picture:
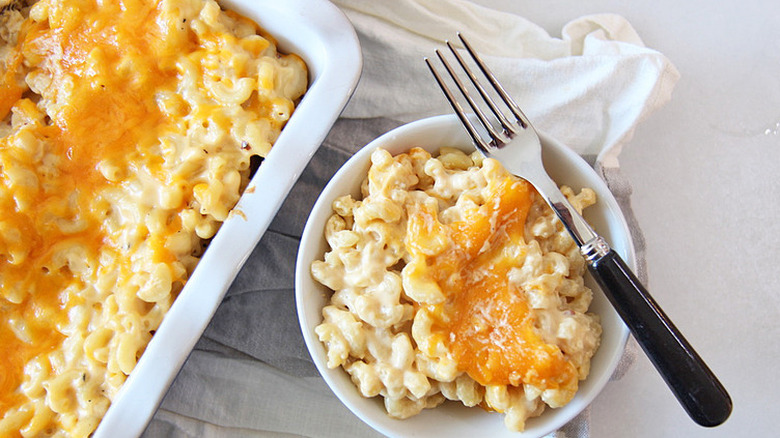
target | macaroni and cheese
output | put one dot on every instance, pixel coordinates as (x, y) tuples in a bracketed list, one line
[(126, 135), (453, 280)]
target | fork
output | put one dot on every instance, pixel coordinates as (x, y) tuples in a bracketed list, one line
[(510, 138)]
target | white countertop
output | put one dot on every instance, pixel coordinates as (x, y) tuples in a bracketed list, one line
[(706, 176)]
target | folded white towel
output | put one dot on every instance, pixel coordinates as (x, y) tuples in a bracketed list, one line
[(588, 89)]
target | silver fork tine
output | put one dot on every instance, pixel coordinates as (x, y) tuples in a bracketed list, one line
[(496, 84), (472, 130), (494, 135), (505, 124)]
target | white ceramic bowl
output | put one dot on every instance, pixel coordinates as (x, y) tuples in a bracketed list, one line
[(452, 419), (322, 35)]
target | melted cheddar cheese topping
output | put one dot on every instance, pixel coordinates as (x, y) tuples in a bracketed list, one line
[(126, 130), (109, 116), (485, 320)]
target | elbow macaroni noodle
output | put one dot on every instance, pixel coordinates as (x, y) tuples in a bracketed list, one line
[(453, 280), (126, 133)]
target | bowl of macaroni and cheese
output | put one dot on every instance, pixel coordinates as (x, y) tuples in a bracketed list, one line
[(439, 295), (145, 146)]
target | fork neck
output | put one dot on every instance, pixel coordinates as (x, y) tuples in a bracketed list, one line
[(591, 245)]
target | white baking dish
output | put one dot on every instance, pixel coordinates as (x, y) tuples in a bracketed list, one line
[(319, 33)]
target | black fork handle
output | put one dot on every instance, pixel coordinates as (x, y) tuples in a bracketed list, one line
[(695, 386)]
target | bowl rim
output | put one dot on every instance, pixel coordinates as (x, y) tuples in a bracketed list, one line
[(322, 210)]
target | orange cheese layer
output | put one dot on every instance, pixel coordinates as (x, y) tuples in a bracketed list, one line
[(111, 114), (9, 94), (10, 91), (485, 321)]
